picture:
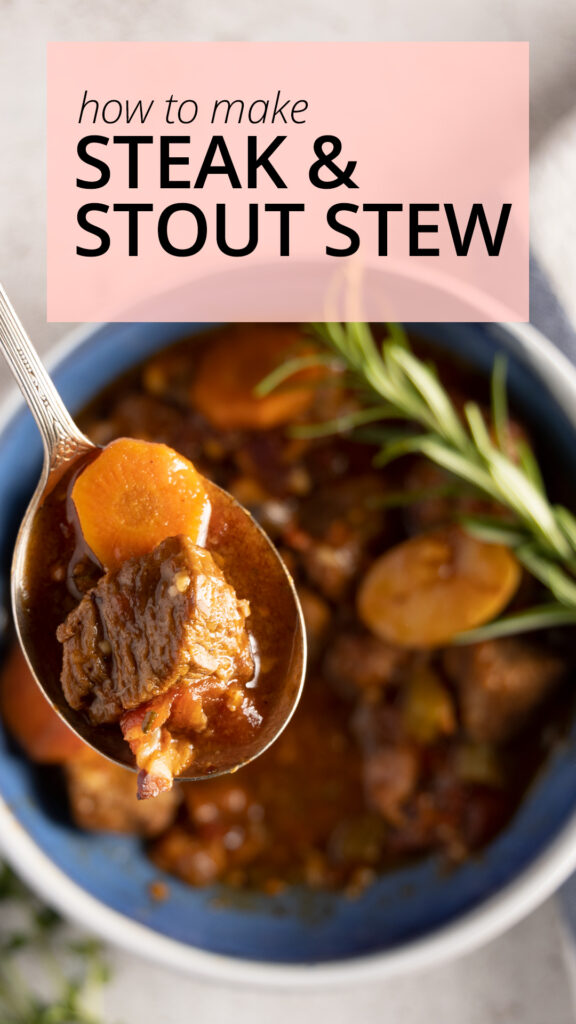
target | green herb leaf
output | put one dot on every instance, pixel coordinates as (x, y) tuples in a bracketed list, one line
[(288, 369), (341, 425), (500, 402), (492, 530), (433, 394), (530, 466), (148, 721), (544, 616), (549, 573)]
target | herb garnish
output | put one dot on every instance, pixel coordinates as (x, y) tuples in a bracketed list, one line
[(409, 411), (72, 972)]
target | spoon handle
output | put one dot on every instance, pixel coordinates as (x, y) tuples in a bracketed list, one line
[(61, 437)]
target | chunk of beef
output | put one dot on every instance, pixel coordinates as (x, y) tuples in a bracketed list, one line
[(378, 723), (164, 619), (137, 416), (274, 515), (440, 498), (391, 776), (345, 507), (103, 798), (150, 418), (329, 567), (198, 861), (337, 526), (500, 683), (451, 817), (358, 661), (226, 808), (221, 832), (435, 496), (275, 464)]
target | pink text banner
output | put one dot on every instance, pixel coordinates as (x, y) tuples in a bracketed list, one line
[(287, 181)]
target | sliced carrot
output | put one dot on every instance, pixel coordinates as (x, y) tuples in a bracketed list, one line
[(31, 719), (134, 495), (424, 591), (233, 365)]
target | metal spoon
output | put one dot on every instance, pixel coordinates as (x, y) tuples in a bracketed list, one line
[(249, 562)]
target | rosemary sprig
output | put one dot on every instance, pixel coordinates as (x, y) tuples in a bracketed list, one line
[(393, 384)]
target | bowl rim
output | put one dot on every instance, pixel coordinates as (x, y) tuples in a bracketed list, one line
[(535, 883)]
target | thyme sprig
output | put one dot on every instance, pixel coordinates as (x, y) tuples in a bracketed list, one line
[(409, 411)]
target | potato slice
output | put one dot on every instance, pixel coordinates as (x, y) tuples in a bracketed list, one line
[(424, 591)]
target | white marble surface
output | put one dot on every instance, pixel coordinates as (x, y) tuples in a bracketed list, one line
[(521, 978)]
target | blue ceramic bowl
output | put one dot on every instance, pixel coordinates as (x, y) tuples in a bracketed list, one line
[(409, 918)]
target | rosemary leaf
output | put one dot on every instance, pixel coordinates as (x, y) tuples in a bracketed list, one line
[(456, 462), (398, 335), (480, 435), (410, 444), (520, 494), (492, 530), (401, 499), (567, 523), (288, 369), (500, 402), (341, 425), (380, 435), (544, 616), (530, 466), (551, 575), (432, 392)]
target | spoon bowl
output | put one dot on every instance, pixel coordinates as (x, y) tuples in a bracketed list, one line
[(253, 567)]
